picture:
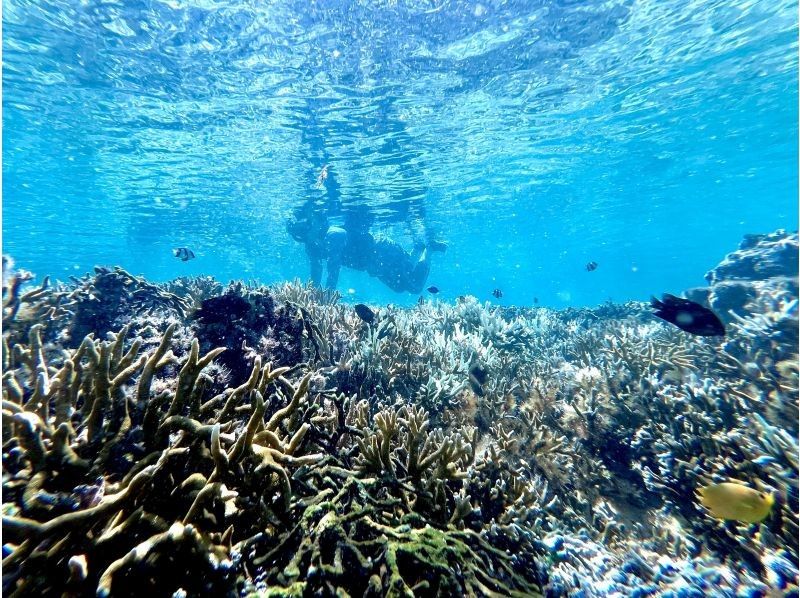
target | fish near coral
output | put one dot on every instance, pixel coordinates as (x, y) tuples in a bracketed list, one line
[(365, 313), (687, 315), (730, 500), (477, 378)]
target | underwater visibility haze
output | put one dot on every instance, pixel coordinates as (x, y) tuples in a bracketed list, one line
[(532, 137), (413, 298)]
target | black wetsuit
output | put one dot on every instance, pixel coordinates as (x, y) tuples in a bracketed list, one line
[(384, 259), (350, 244)]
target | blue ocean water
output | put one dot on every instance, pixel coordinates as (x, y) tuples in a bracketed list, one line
[(532, 137)]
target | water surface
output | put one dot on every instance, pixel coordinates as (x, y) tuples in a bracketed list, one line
[(533, 137)]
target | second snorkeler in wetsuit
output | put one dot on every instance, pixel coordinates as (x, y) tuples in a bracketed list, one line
[(352, 245)]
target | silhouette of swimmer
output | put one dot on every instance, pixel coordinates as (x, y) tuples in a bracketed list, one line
[(352, 245)]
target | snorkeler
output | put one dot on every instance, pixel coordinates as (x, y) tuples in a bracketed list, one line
[(352, 245), (307, 226), (337, 235)]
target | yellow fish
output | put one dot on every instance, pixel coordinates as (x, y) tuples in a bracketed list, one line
[(729, 500)]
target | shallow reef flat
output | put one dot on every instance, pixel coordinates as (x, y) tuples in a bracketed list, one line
[(191, 438)]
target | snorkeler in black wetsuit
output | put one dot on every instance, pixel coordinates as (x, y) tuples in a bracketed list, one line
[(340, 235), (353, 246)]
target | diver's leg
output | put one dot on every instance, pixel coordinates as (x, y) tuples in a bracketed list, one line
[(417, 275), (335, 241), (389, 263), (316, 271), (333, 275), (400, 272)]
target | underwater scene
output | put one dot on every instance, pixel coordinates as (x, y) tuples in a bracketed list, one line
[(400, 298)]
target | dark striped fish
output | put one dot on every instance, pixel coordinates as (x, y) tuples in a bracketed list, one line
[(184, 254)]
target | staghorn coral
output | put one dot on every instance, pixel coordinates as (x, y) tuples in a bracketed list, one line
[(417, 464), (196, 289), (24, 306), (145, 449), (335, 456), (350, 541), (107, 300), (365, 529)]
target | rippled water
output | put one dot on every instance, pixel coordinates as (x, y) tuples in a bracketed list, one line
[(648, 136)]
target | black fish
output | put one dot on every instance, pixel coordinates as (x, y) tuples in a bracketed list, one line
[(591, 266), (365, 313), (536, 300), (687, 315), (497, 293), (479, 372), (183, 253), (433, 290), (477, 378)]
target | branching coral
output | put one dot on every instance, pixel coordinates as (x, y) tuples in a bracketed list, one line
[(271, 441), (137, 443), (400, 449), (107, 300)]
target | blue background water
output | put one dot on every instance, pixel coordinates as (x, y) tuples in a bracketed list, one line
[(533, 137)]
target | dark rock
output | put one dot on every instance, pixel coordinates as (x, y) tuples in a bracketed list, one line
[(732, 295), (247, 324), (763, 269), (759, 257), (226, 308), (231, 321)]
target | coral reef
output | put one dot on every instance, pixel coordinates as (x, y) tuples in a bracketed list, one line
[(763, 270), (192, 438), (247, 323)]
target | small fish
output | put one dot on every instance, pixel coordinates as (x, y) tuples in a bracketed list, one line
[(729, 500), (421, 300), (477, 378), (365, 313), (433, 290), (497, 293), (183, 253), (591, 266), (536, 300), (687, 315)]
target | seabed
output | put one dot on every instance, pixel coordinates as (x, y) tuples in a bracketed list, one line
[(191, 438)]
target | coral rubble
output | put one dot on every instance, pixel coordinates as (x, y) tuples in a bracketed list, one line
[(192, 438)]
